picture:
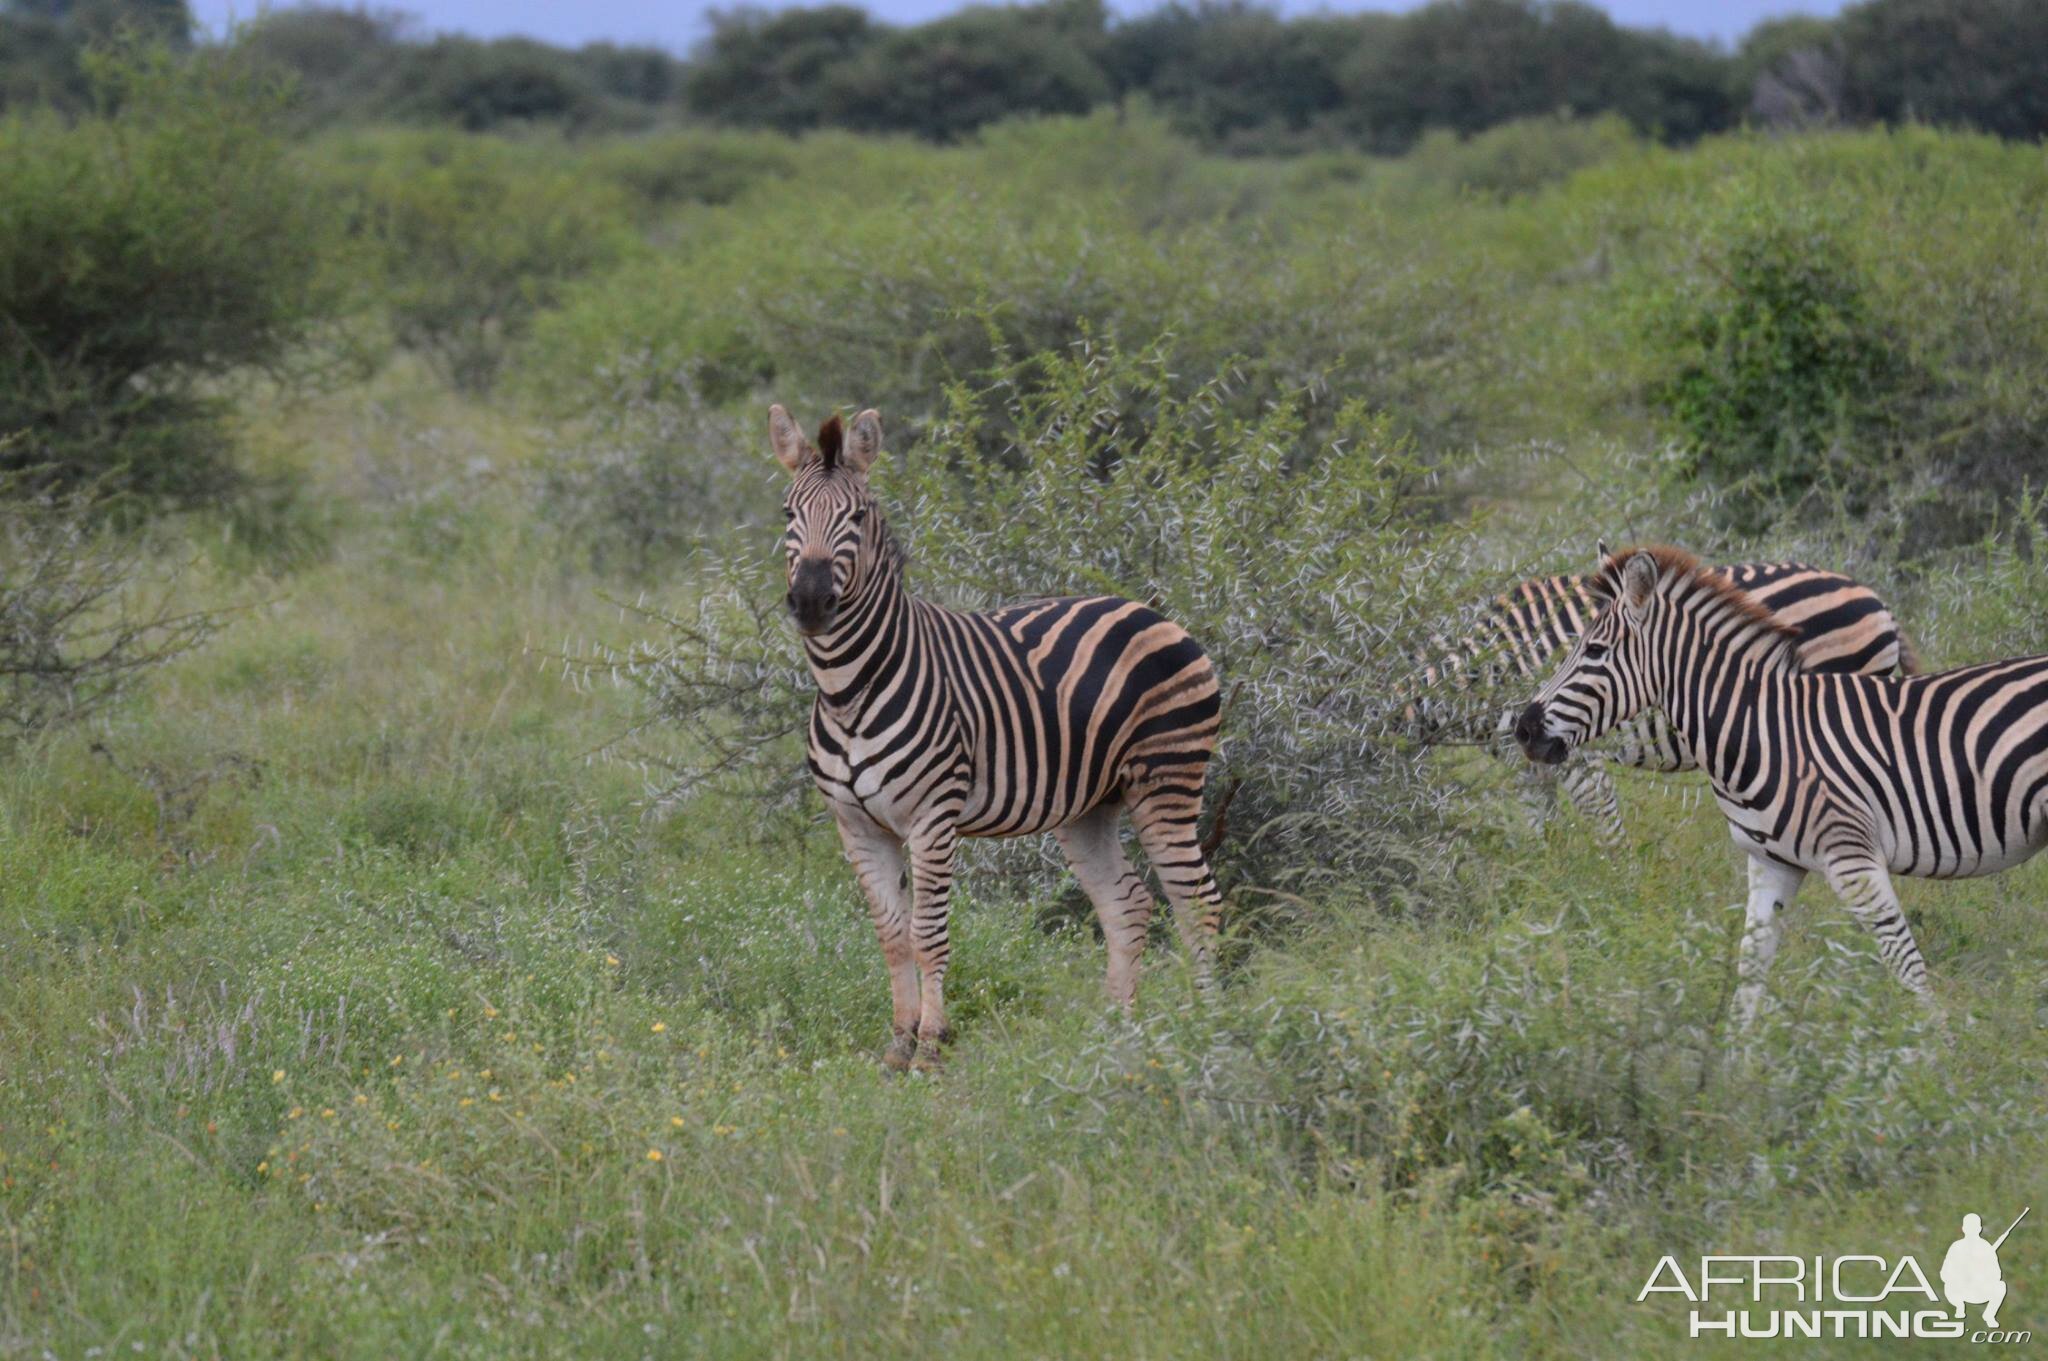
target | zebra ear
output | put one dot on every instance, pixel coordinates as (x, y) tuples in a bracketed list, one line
[(792, 450), (1601, 553), (1638, 583), (863, 441)]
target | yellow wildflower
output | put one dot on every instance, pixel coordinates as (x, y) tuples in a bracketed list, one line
[(277, 1075), (654, 1155), (658, 1027)]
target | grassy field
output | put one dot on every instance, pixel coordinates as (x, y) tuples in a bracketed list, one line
[(351, 1004)]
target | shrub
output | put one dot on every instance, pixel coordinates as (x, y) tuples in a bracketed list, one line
[(83, 613), (1299, 568), (942, 264), (468, 237), (1783, 381), (648, 476), (147, 251), (1514, 158)]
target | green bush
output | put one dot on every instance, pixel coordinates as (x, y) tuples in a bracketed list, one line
[(1857, 315), (940, 264), (1783, 382), (469, 237), (1514, 158), (148, 251)]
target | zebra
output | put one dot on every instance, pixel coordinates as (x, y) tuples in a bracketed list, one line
[(1842, 624), (930, 725), (1857, 778)]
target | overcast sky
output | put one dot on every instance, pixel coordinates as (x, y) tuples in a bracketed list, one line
[(677, 25)]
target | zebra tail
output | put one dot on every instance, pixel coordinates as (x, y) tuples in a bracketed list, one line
[(1222, 823), (1909, 656)]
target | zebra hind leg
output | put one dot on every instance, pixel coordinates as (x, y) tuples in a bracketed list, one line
[(1865, 888), (1123, 902), (1166, 816)]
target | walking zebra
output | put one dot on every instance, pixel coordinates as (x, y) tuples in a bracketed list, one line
[(931, 725), (1842, 625), (1855, 777)]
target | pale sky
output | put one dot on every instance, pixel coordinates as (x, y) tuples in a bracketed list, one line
[(678, 25)]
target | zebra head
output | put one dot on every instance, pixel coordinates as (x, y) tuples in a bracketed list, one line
[(836, 542), (1607, 677)]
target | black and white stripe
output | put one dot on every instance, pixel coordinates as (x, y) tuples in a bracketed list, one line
[(931, 725), (1842, 625), (1854, 777)]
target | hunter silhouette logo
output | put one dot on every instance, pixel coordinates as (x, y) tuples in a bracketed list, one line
[(1970, 1275), (1854, 1295)]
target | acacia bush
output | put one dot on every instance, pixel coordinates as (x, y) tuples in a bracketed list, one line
[(942, 265), (1302, 568), (148, 250), (1783, 382), (1842, 321), (85, 613), (464, 239)]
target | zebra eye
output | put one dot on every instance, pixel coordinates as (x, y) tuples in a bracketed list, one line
[(789, 513), (860, 515), (1596, 652)]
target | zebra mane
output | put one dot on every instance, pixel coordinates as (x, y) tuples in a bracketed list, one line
[(1676, 562), (831, 439)]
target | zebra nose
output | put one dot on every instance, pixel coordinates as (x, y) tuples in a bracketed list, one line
[(812, 601), (1529, 727)]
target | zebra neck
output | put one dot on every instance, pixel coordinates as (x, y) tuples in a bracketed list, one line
[(1714, 676), (871, 643)]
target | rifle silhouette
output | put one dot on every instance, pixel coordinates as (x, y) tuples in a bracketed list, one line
[(2008, 1230)]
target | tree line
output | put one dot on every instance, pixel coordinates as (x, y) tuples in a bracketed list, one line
[(1231, 74)]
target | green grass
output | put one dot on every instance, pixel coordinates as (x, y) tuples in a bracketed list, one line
[(360, 1043)]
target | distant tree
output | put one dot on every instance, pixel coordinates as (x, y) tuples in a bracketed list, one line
[(482, 85), (1789, 72), (1223, 68), (767, 70), (1983, 63), (42, 43), (949, 77), (1467, 65), (340, 59), (639, 75)]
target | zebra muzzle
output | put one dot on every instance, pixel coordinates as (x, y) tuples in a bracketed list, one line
[(1537, 744), (813, 604)]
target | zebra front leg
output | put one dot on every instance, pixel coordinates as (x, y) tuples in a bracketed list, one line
[(1591, 790), (877, 859), (1771, 889), (1538, 790), (931, 881), (1865, 888)]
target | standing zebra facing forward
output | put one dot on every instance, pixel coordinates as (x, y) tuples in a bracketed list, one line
[(931, 725), (1841, 625), (1855, 777)]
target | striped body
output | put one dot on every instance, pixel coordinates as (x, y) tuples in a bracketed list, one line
[(1854, 777), (1012, 721), (932, 724), (1842, 626)]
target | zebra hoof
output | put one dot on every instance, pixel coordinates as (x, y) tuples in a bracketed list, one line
[(901, 1052), (929, 1059)]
